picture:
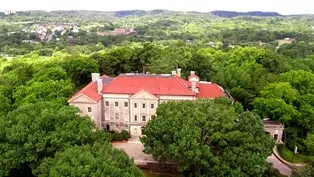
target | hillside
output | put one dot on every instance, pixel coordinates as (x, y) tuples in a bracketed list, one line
[(230, 14)]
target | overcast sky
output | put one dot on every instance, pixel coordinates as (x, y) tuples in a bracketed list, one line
[(281, 6)]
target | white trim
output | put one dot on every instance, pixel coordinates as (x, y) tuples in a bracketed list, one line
[(71, 100), (143, 91)]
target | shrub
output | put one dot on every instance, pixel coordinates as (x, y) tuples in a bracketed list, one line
[(125, 134), (116, 137)]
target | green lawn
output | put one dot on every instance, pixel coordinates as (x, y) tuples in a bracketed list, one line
[(287, 154)]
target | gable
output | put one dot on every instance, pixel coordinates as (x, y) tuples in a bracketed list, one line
[(81, 99), (143, 95)]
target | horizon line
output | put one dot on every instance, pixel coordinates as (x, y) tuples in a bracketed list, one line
[(151, 10)]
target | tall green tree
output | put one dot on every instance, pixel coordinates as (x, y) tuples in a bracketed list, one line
[(99, 159), (208, 138), (34, 132)]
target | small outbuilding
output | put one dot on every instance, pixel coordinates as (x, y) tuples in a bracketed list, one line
[(274, 129)]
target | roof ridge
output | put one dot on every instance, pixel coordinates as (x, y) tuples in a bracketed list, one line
[(103, 87), (82, 90), (86, 87), (179, 79)]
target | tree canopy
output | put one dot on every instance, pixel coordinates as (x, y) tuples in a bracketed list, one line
[(208, 138)]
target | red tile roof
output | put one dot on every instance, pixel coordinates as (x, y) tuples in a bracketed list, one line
[(209, 90), (154, 84), (90, 91)]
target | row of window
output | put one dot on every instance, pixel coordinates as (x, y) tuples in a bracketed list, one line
[(117, 116), (143, 118), (126, 104)]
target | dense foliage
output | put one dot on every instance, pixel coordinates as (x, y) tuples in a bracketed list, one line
[(209, 138), (265, 63), (89, 160)]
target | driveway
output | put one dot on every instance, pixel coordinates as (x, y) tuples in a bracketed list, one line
[(135, 148), (284, 169)]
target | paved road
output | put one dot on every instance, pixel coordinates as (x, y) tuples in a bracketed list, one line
[(284, 169), (135, 149)]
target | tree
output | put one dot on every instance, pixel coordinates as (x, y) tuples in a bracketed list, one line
[(100, 159), (34, 132), (276, 102), (50, 90), (307, 171), (79, 69), (208, 138), (290, 100), (202, 63)]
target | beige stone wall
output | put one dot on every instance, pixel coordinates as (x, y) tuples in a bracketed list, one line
[(143, 101), (275, 131), (95, 111), (121, 117), (117, 116), (136, 130)]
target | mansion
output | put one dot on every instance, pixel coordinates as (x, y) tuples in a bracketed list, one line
[(128, 101)]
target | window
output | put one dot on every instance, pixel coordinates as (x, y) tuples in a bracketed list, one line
[(126, 104), (135, 105), (116, 103), (144, 118), (107, 103), (152, 106), (144, 105), (135, 118), (89, 109), (117, 115)]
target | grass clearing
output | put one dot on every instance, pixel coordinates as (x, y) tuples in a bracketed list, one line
[(287, 154)]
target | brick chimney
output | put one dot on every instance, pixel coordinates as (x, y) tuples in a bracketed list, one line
[(99, 85), (194, 79), (179, 72), (95, 77)]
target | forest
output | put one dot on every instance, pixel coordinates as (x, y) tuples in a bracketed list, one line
[(266, 62)]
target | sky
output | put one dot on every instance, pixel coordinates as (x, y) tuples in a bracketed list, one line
[(285, 7)]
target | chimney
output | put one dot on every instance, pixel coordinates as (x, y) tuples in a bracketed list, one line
[(193, 87), (194, 79), (179, 72), (173, 73), (95, 77), (99, 85)]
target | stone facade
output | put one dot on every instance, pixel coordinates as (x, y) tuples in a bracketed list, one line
[(114, 108), (274, 129)]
